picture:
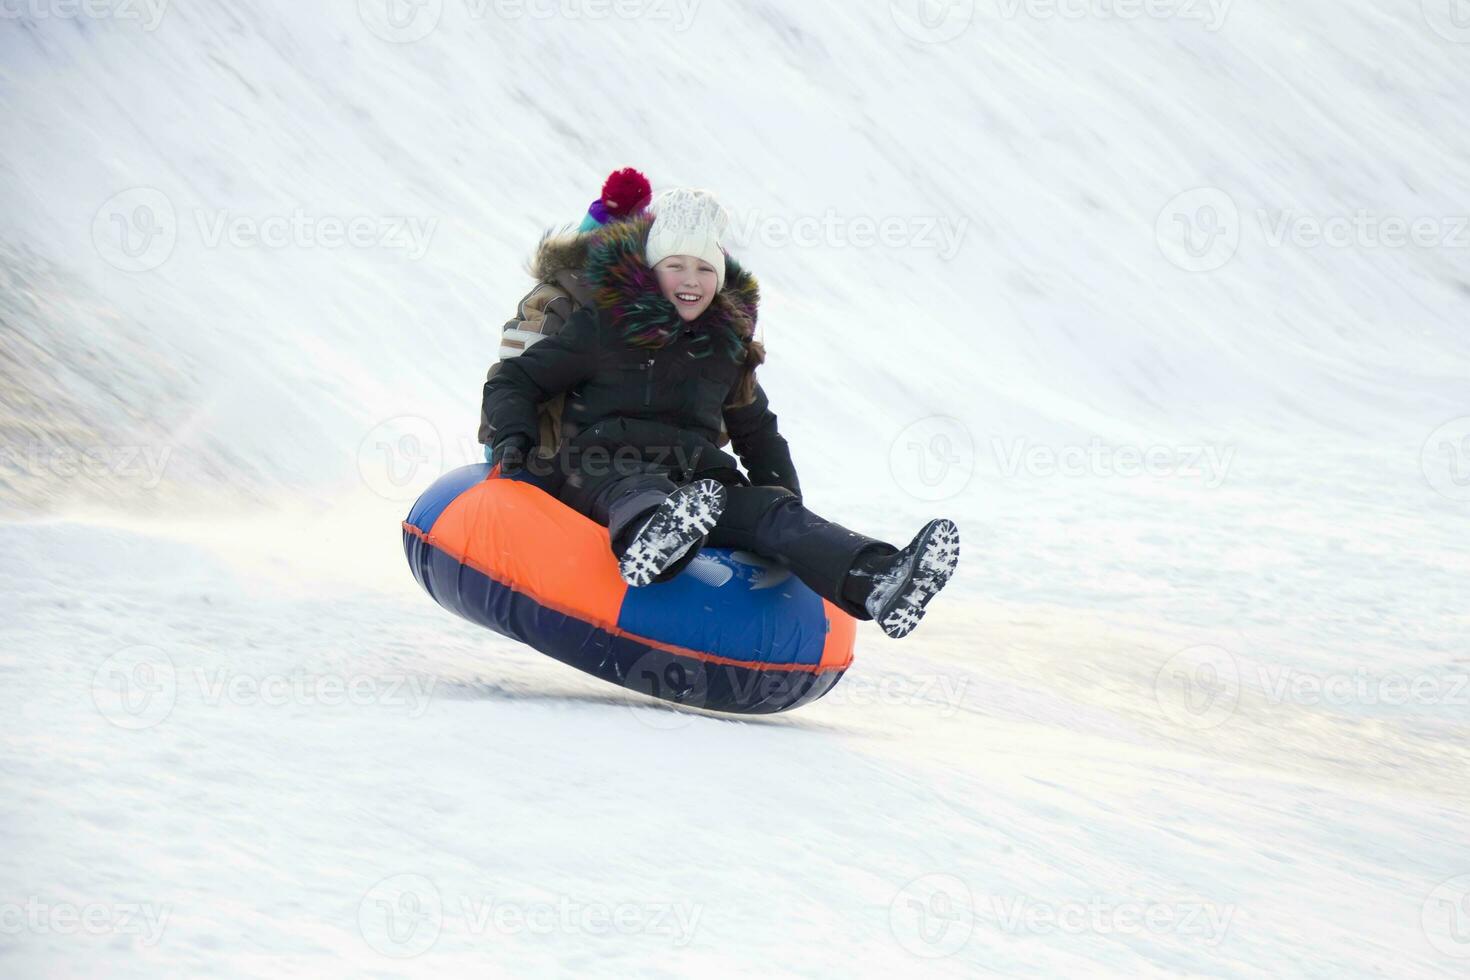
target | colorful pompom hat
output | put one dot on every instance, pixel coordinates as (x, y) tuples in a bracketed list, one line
[(625, 193)]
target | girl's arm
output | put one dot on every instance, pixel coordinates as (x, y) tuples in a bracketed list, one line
[(541, 313), (546, 369), (759, 445)]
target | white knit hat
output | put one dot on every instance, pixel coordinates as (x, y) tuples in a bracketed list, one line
[(687, 221)]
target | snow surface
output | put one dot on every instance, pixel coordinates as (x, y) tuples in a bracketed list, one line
[(1210, 720)]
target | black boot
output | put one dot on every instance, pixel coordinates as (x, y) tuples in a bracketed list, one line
[(858, 584), (895, 588), (620, 548), (676, 530)]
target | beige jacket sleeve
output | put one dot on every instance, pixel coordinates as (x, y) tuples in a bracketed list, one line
[(541, 313)]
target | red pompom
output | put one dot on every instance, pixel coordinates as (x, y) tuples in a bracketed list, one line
[(626, 192)]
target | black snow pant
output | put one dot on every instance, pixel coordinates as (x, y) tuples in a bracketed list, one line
[(769, 521)]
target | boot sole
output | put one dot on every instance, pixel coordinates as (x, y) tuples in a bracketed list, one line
[(676, 526), (938, 554)]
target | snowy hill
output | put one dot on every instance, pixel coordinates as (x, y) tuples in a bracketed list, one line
[(1163, 303)]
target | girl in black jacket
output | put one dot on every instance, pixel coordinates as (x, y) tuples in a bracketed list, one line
[(649, 372)]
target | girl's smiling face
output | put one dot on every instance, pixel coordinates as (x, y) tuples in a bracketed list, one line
[(687, 282)]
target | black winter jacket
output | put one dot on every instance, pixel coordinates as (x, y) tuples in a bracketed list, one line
[(677, 392)]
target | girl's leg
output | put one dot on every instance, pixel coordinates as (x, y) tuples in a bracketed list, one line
[(773, 522), (646, 525), (865, 577), (627, 502), (615, 493)]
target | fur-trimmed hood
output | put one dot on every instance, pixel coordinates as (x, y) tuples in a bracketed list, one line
[(628, 288), (607, 267), (560, 259), (560, 252), (608, 264)]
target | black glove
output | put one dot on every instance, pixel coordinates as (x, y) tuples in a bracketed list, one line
[(511, 453)]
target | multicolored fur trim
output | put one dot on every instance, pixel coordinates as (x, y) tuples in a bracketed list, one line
[(628, 289)]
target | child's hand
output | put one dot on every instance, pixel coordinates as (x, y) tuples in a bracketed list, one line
[(510, 454)]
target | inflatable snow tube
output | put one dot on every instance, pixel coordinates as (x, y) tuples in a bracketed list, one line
[(731, 632)]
